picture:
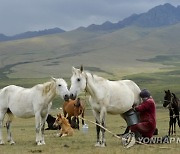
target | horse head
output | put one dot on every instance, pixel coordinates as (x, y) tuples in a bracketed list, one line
[(167, 98), (78, 103), (61, 88), (58, 120), (78, 82)]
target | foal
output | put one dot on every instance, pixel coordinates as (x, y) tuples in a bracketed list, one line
[(66, 129), (174, 106), (74, 108)]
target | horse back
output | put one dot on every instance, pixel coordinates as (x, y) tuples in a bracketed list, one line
[(128, 88)]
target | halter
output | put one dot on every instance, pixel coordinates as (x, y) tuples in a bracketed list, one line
[(169, 101)]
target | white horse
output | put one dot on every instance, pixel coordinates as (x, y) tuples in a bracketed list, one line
[(114, 97), (30, 102)]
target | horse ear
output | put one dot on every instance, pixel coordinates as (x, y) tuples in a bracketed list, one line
[(81, 68), (73, 69), (54, 79), (165, 91)]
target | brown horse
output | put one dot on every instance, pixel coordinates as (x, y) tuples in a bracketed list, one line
[(74, 108), (66, 129)]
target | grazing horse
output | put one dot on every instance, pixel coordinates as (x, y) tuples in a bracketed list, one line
[(30, 102), (173, 104), (66, 129), (74, 108), (114, 97)]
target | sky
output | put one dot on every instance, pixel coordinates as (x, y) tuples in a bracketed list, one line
[(18, 16)]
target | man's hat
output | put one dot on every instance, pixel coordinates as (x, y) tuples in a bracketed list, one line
[(145, 93)]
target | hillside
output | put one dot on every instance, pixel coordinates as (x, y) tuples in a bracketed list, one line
[(112, 53)]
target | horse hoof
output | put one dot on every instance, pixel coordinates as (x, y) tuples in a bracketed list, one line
[(39, 143), (103, 145), (11, 142), (43, 143), (98, 144), (1, 143)]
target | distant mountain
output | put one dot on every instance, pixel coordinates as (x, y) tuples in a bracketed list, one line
[(159, 16), (31, 34), (162, 15), (3, 37)]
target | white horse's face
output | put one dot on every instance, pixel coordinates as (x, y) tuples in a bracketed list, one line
[(78, 82), (62, 88)]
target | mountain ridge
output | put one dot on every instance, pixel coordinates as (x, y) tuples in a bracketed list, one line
[(30, 34)]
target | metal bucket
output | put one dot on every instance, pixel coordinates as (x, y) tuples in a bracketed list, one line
[(131, 117)]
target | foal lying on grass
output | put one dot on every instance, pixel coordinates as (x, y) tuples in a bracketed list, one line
[(66, 129)]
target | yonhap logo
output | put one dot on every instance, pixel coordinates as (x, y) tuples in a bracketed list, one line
[(159, 140)]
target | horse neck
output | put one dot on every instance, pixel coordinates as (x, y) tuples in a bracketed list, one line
[(93, 84), (49, 91)]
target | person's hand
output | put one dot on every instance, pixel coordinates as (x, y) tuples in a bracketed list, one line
[(134, 106)]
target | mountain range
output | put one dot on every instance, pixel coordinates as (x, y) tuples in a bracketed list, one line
[(30, 34), (162, 15)]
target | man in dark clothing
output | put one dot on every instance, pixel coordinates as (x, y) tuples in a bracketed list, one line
[(147, 113)]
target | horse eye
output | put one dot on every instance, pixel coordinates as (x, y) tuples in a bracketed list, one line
[(59, 85), (78, 79)]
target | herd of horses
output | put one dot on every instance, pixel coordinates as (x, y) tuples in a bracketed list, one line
[(105, 96)]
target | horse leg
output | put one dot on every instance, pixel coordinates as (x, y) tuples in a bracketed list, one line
[(102, 120), (127, 128), (42, 129), (169, 133), (178, 120), (8, 126), (69, 119), (1, 125), (170, 121), (97, 115), (82, 115), (38, 127), (174, 122), (77, 122)]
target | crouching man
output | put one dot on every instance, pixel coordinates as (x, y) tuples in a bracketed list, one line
[(147, 116)]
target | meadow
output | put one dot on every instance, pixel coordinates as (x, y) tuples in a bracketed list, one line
[(24, 135), (23, 130)]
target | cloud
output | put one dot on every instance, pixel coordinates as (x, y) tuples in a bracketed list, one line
[(18, 16)]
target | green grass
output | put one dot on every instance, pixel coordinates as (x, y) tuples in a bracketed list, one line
[(23, 131)]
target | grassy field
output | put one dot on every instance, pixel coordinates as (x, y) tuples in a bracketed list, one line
[(24, 134)]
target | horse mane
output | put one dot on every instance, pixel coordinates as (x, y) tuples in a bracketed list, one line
[(177, 101), (47, 87), (96, 77)]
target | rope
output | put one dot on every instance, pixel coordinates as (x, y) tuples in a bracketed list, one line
[(121, 137)]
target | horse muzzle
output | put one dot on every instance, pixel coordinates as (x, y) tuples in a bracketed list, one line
[(72, 96), (66, 97)]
